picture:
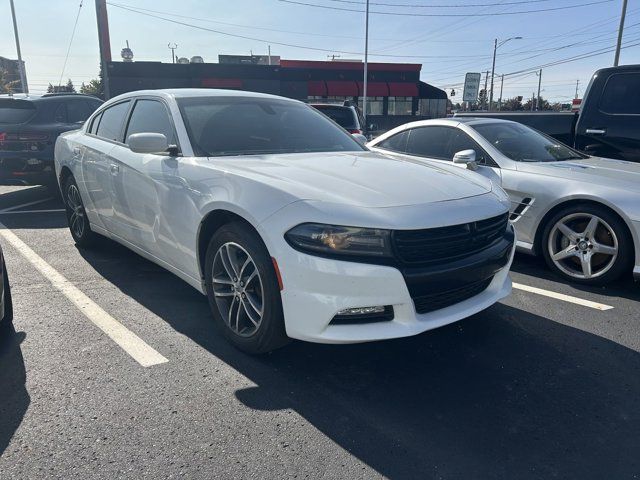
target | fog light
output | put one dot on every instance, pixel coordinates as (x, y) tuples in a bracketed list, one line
[(361, 311), (360, 315)]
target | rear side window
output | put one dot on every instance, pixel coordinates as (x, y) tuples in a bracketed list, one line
[(396, 143), (112, 121), (94, 124), (621, 94), (430, 141), (15, 111), (343, 116), (78, 111), (150, 116)]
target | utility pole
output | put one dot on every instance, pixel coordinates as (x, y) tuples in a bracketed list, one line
[(501, 85), (366, 63), (484, 98), (269, 62), (533, 99), (23, 76), (577, 84), (172, 47), (104, 44), (620, 29), (493, 69), (539, 83)]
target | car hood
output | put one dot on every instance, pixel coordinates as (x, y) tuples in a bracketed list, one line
[(602, 171), (365, 179)]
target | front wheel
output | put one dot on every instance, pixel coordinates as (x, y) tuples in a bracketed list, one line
[(243, 290), (587, 244), (76, 215)]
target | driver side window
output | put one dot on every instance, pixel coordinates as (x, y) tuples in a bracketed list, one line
[(461, 141), (150, 116)]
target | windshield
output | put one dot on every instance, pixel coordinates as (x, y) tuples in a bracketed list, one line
[(15, 111), (343, 116), (225, 126), (523, 144)]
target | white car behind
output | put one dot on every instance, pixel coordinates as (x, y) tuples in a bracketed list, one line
[(289, 226)]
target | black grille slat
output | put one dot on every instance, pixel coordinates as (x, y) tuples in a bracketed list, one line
[(442, 244), (436, 301)]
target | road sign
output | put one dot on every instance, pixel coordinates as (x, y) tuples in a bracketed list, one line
[(471, 87)]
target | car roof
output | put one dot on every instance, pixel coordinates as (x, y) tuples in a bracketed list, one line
[(45, 96), (455, 121), (173, 93)]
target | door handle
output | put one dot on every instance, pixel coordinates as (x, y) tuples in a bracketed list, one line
[(596, 131), (115, 169)]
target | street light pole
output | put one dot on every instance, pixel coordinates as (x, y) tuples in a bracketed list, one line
[(539, 83), (493, 67), (501, 85), (23, 76), (366, 63), (620, 29)]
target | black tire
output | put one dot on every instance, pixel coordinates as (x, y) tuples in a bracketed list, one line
[(623, 261), (8, 302), (270, 334), (83, 237)]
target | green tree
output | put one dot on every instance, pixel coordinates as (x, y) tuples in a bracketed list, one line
[(7, 85), (512, 104), (69, 87), (94, 87), (543, 104), (51, 88)]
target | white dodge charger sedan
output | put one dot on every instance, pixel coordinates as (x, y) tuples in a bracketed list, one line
[(289, 226)]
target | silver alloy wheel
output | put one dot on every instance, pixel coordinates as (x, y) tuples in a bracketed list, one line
[(583, 246), (237, 287), (77, 218)]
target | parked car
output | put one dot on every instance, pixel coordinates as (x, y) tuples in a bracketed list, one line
[(347, 116), (6, 305), (289, 234), (608, 122), (581, 213), (29, 126)]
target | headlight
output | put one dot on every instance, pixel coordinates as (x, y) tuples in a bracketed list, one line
[(335, 240)]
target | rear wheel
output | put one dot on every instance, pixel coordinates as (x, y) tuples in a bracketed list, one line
[(243, 290), (76, 215), (587, 244)]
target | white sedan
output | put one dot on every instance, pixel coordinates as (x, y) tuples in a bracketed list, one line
[(289, 226)]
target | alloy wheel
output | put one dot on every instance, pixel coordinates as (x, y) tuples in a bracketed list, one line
[(583, 246), (76, 211), (238, 289)]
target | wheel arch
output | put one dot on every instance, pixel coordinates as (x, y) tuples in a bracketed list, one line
[(211, 223), (65, 173), (581, 201)]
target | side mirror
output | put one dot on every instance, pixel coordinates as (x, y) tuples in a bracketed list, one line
[(361, 139), (467, 157), (148, 143)]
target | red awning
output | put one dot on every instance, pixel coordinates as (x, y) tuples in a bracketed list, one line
[(403, 89), (222, 82), (317, 88), (342, 89), (374, 89)]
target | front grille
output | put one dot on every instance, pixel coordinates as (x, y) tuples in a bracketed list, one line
[(446, 244), (436, 301)]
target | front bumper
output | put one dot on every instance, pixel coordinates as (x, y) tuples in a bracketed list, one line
[(315, 289)]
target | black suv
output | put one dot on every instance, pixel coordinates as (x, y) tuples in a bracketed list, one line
[(347, 116), (29, 127)]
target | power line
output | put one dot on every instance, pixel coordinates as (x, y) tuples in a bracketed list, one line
[(413, 14), (422, 5), (73, 33)]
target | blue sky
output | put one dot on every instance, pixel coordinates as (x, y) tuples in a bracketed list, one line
[(447, 47)]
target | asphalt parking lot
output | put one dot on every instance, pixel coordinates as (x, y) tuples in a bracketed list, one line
[(545, 384)]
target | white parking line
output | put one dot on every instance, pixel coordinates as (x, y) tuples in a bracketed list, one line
[(125, 338), (563, 297), (53, 210), (16, 207)]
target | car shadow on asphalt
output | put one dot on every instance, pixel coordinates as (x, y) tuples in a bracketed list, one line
[(503, 394), (624, 287), (30, 203), (14, 398)]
